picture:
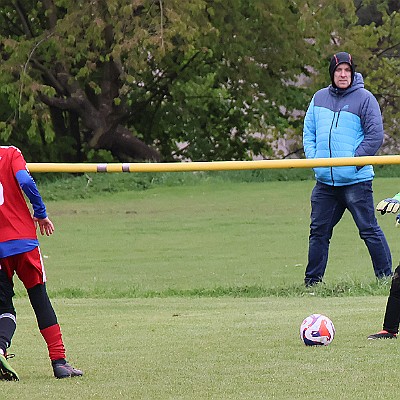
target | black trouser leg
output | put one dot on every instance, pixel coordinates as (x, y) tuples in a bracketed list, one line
[(392, 313), (7, 311)]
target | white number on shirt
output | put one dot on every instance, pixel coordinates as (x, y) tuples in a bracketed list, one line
[(1, 195)]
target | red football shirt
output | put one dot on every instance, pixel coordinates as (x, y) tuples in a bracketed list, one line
[(15, 217)]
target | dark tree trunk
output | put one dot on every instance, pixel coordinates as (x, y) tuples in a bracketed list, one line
[(127, 147), (75, 132), (104, 132)]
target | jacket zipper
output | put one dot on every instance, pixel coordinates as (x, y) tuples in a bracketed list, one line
[(330, 137), (337, 120)]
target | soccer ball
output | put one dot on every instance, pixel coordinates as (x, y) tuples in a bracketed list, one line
[(317, 330)]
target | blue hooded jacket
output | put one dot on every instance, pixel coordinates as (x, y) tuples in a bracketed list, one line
[(343, 123)]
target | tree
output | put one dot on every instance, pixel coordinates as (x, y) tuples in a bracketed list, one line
[(159, 79), (375, 43)]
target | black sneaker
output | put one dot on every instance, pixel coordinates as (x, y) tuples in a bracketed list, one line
[(7, 373), (383, 335), (63, 370)]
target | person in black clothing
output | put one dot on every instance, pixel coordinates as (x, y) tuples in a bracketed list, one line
[(391, 319)]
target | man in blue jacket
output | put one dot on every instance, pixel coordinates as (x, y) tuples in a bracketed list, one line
[(343, 120)]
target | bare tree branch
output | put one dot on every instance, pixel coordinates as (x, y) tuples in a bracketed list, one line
[(49, 76), (51, 13), (24, 71), (23, 17)]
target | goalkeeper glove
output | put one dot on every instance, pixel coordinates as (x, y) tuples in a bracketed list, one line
[(390, 205)]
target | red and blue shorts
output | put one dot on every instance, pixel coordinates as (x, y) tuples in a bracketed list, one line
[(28, 267)]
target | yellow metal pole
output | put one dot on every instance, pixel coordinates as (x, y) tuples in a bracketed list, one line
[(214, 166)]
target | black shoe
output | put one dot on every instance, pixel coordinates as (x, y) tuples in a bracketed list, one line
[(383, 335), (7, 373), (63, 370), (308, 282)]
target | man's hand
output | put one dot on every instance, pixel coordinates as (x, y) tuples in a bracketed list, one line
[(45, 225), (390, 205)]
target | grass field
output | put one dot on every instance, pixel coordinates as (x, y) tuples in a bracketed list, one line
[(202, 348), (195, 291)]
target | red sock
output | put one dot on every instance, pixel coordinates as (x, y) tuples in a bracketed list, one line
[(52, 336)]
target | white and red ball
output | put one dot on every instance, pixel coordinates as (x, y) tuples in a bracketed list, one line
[(317, 330)]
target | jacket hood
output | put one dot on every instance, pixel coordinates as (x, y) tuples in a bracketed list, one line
[(340, 58)]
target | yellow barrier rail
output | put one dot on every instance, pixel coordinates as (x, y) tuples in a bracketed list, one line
[(214, 165)]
